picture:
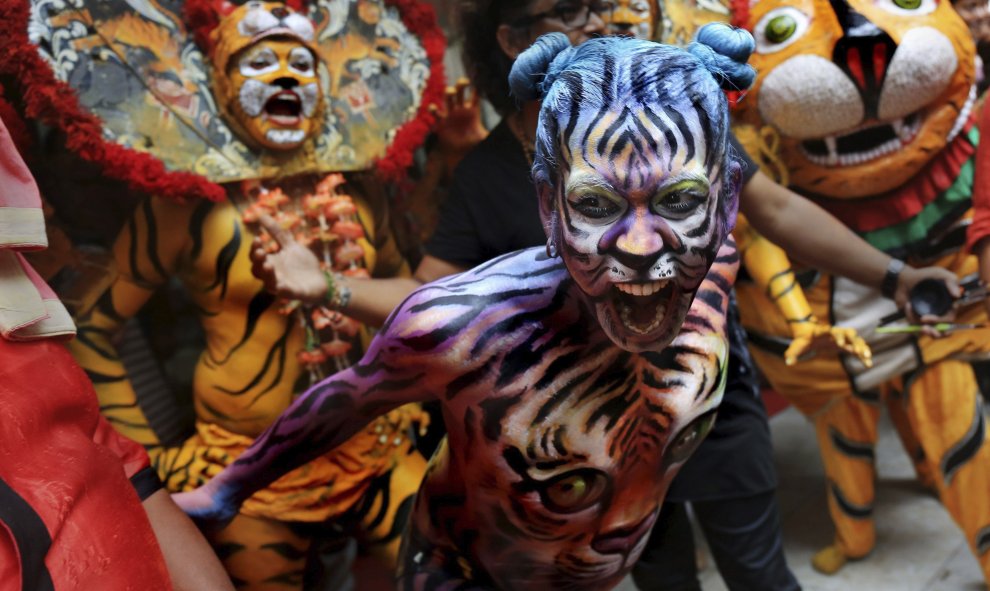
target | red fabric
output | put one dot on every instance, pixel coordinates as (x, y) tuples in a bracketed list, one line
[(980, 228), (10, 560), (17, 187), (18, 191), (72, 469), (905, 202)]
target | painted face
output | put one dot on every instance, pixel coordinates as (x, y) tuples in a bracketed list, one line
[(633, 18), (639, 222), (276, 93), (369, 12), (863, 92)]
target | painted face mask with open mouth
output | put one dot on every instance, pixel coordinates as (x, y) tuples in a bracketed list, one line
[(278, 93), (864, 94), (638, 226), (636, 195), (639, 253)]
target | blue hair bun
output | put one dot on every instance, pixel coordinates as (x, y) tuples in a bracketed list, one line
[(529, 79), (724, 50)]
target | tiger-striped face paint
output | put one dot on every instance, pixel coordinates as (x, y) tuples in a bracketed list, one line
[(643, 200)]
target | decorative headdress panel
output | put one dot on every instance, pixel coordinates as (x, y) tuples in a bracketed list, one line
[(129, 82)]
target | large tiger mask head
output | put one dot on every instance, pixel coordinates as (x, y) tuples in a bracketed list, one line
[(863, 92)]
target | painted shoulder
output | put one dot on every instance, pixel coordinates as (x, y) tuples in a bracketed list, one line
[(435, 315)]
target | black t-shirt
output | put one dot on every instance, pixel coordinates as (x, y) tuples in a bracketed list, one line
[(492, 209)]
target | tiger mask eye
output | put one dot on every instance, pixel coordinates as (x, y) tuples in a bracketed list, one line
[(574, 491), (689, 438)]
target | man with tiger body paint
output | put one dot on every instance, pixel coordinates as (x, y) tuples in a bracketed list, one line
[(872, 105), (572, 389), (266, 69)]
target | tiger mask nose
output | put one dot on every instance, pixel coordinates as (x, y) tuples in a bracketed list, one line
[(863, 53)]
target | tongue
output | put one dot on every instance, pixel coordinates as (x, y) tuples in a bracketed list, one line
[(642, 311)]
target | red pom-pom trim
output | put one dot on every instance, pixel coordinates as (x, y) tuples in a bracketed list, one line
[(15, 125), (740, 13), (421, 20), (55, 103)]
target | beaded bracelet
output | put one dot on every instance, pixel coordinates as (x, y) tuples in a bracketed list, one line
[(338, 295), (331, 286)]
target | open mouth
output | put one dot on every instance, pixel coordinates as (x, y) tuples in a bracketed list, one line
[(864, 144), (284, 108), (642, 307), (873, 141)]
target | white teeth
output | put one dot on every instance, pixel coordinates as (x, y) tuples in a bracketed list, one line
[(963, 114), (625, 314), (905, 133), (285, 136), (641, 289), (833, 155)]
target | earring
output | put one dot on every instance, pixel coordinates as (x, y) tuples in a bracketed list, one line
[(551, 235)]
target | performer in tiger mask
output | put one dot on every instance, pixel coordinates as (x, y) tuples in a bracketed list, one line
[(872, 106)]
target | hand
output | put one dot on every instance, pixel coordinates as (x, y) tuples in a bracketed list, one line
[(909, 278), (293, 272), (813, 337), (982, 251), (459, 127), (208, 509)]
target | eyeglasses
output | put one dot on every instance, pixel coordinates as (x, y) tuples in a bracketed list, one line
[(573, 14)]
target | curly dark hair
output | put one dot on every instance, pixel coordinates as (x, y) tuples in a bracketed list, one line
[(483, 58)]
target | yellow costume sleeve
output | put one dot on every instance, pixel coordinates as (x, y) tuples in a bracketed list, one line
[(146, 252), (770, 269)]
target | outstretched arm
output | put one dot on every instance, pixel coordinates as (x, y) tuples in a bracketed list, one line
[(326, 415), (191, 563), (811, 235), (294, 272)]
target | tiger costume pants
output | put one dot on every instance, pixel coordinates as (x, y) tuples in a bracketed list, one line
[(366, 491), (262, 554), (943, 409)]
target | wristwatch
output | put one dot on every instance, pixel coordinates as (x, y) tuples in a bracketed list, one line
[(888, 287)]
